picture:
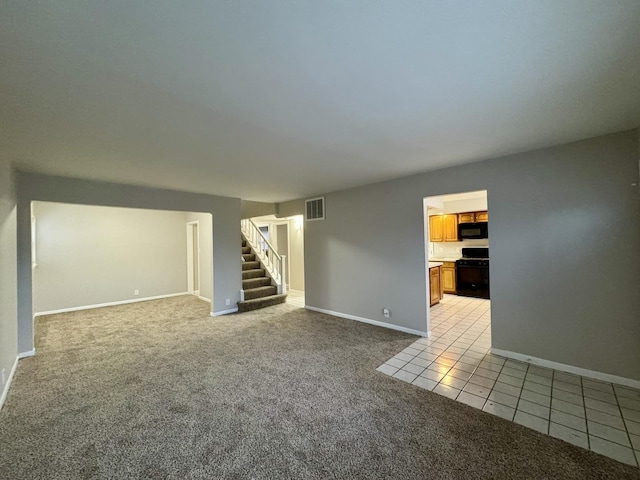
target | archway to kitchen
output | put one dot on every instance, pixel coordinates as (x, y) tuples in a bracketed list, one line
[(456, 234)]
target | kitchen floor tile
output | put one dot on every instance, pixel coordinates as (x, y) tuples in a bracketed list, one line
[(629, 403), (387, 369), (422, 362), (424, 383), (567, 387), (472, 400), (499, 410), (627, 392), (602, 396), (503, 399), (596, 385), (453, 382), (405, 376), (456, 362), (632, 427), (447, 391), (412, 368), (632, 415), (614, 421), (538, 388), (394, 362), (508, 389), (531, 421), (569, 435), (567, 377), (608, 433), (613, 450), (478, 390), (533, 408), (544, 400), (601, 406), (509, 380), (570, 421), (567, 397), (532, 377), (566, 407), (431, 375), (482, 381)]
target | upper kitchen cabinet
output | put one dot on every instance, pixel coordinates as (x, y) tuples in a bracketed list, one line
[(482, 216), (473, 217), (443, 228)]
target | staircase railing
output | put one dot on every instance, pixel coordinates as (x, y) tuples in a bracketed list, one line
[(268, 256)]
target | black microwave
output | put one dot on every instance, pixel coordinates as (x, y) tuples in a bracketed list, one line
[(469, 231)]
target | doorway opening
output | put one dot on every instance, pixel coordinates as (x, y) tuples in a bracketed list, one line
[(286, 236), (457, 269), (88, 256), (193, 258)]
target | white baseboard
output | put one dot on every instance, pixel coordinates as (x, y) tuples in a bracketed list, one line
[(369, 321), (224, 312), (583, 372), (109, 304), (298, 292), (29, 353), (7, 384), (204, 298)]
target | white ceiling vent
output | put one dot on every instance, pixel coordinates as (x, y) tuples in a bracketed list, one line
[(314, 209)]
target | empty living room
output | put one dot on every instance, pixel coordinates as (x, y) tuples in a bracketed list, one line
[(216, 256)]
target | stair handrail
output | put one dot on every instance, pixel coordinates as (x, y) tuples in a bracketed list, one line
[(269, 257)]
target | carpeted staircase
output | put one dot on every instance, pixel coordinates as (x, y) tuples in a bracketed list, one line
[(258, 290)]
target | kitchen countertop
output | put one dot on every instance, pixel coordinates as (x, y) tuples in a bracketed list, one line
[(435, 264), (443, 259)]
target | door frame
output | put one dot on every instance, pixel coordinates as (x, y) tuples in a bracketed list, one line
[(193, 256)]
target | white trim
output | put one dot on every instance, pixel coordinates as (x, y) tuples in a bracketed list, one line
[(5, 391), (369, 321), (193, 256), (604, 377), (224, 312), (29, 353), (204, 298), (299, 292), (108, 304)]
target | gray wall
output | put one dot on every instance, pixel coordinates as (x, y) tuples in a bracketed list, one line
[(251, 209), (565, 261), (226, 230), (89, 255), (205, 232), (8, 284)]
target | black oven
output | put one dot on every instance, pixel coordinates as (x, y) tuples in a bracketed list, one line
[(472, 273), (469, 231)]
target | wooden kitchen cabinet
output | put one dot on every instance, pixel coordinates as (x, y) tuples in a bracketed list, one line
[(482, 216), (443, 228), (448, 277), (435, 286), (436, 232), (472, 217), (468, 217)]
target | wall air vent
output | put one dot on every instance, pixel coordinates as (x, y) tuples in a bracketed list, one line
[(314, 209)]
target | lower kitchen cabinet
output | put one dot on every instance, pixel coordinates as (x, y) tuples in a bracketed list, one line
[(448, 277), (435, 285)]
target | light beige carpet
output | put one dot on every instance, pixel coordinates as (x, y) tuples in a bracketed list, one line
[(162, 390)]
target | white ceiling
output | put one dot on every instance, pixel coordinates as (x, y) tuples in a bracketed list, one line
[(275, 100)]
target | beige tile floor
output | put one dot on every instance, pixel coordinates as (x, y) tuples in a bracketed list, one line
[(455, 362)]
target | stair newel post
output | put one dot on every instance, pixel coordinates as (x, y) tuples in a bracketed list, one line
[(283, 274)]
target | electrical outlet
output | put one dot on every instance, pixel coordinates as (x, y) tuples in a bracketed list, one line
[(227, 302), (386, 312), (136, 292)]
